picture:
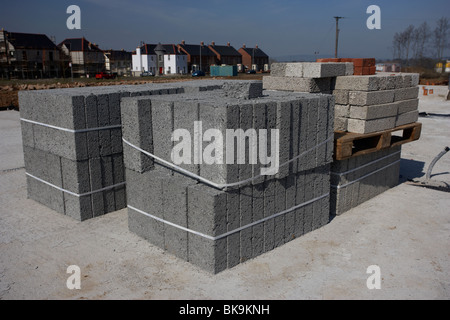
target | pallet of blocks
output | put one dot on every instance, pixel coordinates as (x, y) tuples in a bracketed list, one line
[(219, 214)]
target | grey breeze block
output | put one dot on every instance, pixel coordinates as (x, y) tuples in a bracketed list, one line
[(154, 197), (88, 161), (358, 179), (303, 121)]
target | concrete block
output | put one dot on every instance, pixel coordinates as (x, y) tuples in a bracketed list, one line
[(363, 98), (293, 69), (374, 111), (407, 105), (368, 126), (340, 124), (137, 129), (146, 227), (342, 111), (304, 135), (406, 93), (246, 217), (357, 83), (93, 142), (95, 174), (313, 115), (27, 134), (406, 118), (221, 118), (45, 195), (258, 214), (61, 143), (174, 201), (249, 143), (280, 205), (107, 181), (341, 96), (145, 191), (323, 70), (308, 214), (75, 176), (207, 214), (278, 69), (297, 84), (185, 114), (120, 195), (243, 89), (323, 128), (43, 165), (78, 208), (291, 192), (259, 122), (162, 130), (269, 210), (299, 199), (294, 139), (349, 68), (283, 124), (233, 223)]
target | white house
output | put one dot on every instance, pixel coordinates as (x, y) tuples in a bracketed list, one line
[(167, 59), (144, 59)]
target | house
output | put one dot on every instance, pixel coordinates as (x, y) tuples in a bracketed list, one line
[(254, 58), (87, 58), (118, 62), (159, 59), (199, 57), (28, 56), (226, 55)]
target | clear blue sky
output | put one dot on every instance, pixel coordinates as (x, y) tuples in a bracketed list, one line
[(281, 28)]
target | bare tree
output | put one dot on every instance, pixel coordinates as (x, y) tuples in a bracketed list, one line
[(441, 37), (420, 38)]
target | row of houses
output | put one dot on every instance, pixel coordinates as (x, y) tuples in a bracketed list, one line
[(186, 58), (26, 55)]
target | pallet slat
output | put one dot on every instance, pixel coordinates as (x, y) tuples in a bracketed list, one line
[(348, 144)]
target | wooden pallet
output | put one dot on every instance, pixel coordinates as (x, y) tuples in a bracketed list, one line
[(347, 144)]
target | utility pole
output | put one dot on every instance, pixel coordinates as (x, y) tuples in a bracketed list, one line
[(337, 36)]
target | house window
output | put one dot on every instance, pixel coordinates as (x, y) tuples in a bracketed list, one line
[(50, 56), (160, 58), (169, 71), (24, 55)]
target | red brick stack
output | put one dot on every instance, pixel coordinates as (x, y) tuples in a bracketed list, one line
[(362, 66)]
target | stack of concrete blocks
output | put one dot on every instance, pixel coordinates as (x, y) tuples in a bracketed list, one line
[(358, 179), (312, 77), (201, 223), (372, 103), (70, 168)]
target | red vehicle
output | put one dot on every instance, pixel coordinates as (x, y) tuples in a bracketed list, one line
[(103, 75)]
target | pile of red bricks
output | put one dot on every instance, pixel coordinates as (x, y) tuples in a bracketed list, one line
[(364, 66)]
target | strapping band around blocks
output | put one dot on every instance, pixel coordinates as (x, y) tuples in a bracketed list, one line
[(73, 193), (366, 165), (365, 176), (211, 183), (235, 230), (71, 130)]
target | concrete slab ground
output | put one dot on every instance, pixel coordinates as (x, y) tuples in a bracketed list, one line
[(405, 231)]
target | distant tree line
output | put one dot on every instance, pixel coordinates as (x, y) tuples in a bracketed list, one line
[(421, 45)]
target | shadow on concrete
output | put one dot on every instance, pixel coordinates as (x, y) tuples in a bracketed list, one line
[(411, 169)]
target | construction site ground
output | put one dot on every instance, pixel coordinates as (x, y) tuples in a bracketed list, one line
[(405, 231)]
